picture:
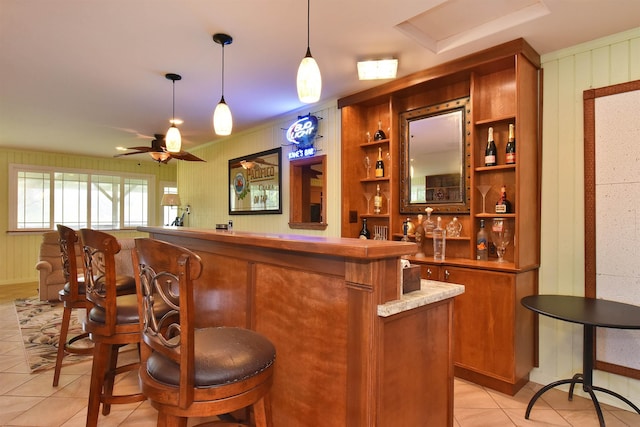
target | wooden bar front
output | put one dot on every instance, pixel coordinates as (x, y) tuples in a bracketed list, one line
[(338, 362)]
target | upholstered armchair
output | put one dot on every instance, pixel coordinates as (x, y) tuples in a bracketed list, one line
[(49, 265)]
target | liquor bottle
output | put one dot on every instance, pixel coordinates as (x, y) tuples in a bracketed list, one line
[(511, 147), (503, 205), (405, 231), (439, 241), (490, 151), (419, 236), (379, 135), (377, 201), (379, 164), (482, 243), (364, 233), (429, 224)]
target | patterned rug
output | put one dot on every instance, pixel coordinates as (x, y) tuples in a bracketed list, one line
[(40, 327)]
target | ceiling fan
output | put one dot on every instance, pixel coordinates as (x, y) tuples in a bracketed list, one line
[(158, 151)]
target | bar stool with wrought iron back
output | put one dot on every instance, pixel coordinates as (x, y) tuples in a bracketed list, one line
[(112, 321), (187, 371), (72, 296)]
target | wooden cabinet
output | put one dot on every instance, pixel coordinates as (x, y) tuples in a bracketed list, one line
[(502, 85), (493, 333)]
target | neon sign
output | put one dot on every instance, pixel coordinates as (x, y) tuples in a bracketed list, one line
[(303, 131)]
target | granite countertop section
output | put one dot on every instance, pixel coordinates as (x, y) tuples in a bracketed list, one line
[(430, 291)]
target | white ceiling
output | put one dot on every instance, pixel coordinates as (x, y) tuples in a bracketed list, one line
[(85, 76)]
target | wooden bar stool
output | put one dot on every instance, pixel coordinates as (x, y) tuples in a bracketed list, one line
[(188, 372), (112, 321), (72, 296)]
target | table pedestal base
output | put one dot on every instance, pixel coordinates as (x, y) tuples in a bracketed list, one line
[(579, 379)]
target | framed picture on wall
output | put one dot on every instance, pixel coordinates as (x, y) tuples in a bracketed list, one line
[(254, 183)]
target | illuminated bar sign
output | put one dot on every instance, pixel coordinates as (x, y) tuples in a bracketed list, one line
[(302, 133)]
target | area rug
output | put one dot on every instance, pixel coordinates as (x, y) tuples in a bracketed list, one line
[(40, 323)]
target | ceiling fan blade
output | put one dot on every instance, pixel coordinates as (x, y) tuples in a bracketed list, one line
[(183, 155), (128, 154), (141, 149)]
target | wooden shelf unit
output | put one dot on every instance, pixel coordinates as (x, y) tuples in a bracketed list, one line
[(503, 84)]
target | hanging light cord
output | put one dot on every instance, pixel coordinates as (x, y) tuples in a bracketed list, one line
[(222, 72), (308, 21), (173, 113)]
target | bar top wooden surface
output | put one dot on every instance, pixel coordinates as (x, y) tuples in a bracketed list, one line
[(334, 246)]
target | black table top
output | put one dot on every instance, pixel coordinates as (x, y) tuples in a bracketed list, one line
[(586, 311)]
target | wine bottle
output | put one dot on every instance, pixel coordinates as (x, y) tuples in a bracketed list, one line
[(490, 151), (511, 147), (377, 201), (379, 135), (439, 241), (379, 164), (503, 205), (364, 233), (482, 243), (405, 231)]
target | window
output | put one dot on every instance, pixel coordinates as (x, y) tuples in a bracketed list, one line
[(43, 197)]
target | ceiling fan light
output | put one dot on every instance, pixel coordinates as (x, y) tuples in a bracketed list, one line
[(222, 120), (309, 81), (173, 140), (159, 156)]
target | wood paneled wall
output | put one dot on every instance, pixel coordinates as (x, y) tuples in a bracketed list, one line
[(567, 73), (19, 251), (205, 186)]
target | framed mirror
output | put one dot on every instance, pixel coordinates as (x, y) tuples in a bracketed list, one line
[(434, 158), (307, 193)]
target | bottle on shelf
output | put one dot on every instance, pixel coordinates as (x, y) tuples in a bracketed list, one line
[(503, 205), (439, 241), (429, 224), (377, 201), (490, 151), (454, 228), (379, 135), (364, 233), (379, 164), (405, 230), (419, 234), (511, 146), (482, 243)]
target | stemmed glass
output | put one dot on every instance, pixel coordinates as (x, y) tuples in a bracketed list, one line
[(501, 235), (368, 196), (484, 189), (367, 165), (388, 197)]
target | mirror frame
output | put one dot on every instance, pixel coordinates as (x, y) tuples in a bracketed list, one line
[(296, 189), (406, 207)]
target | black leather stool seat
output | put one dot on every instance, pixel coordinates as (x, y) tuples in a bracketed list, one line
[(222, 355), (127, 311), (125, 285)]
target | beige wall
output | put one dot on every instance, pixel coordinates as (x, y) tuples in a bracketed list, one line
[(567, 73), (19, 251), (205, 186)]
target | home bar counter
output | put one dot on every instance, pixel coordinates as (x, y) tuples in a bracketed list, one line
[(351, 349)]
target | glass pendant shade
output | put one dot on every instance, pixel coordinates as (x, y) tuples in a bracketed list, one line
[(309, 80), (222, 120), (173, 140)]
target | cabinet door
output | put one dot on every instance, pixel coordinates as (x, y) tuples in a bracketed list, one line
[(484, 322)]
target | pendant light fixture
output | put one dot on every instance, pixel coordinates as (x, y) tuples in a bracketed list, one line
[(173, 140), (222, 120), (309, 80)]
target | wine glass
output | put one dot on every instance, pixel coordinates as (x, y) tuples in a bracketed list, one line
[(483, 189), (368, 196), (387, 196), (367, 165), (501, 235)]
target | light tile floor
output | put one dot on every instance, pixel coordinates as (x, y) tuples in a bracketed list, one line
[(28, 399)]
